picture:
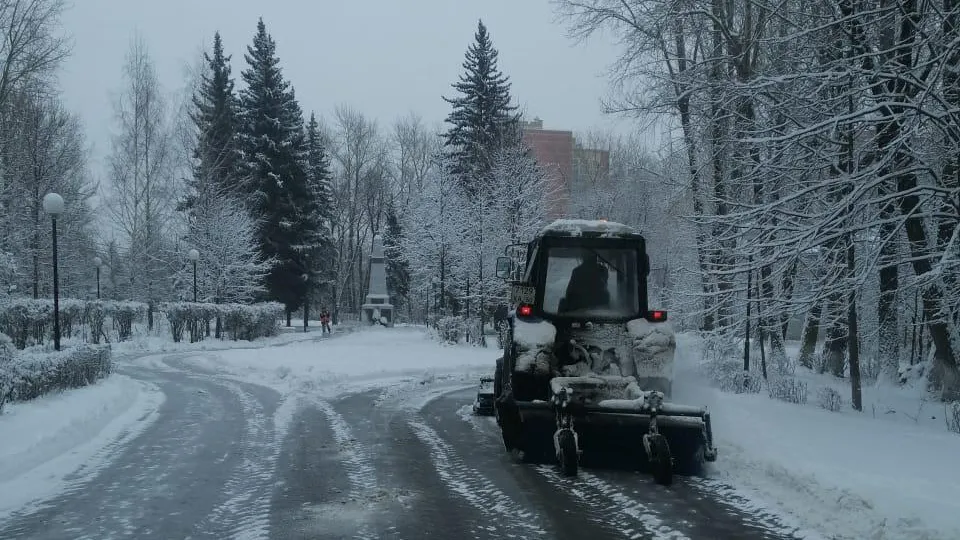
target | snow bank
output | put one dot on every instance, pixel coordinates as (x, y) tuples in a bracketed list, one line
[(68, 434), (375, 352), (851, 475)]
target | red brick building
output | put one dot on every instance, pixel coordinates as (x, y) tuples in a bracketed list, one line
[(564, 161)]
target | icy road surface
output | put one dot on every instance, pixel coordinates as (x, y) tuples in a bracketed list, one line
[(372, 457)]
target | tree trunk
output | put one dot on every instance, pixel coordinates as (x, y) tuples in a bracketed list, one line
[(289, 318), (306, 315), (811, 333), (835, 346), (853, 343), (789, 279), (889, 339)]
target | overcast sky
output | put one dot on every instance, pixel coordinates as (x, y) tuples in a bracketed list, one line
[(383, 57)]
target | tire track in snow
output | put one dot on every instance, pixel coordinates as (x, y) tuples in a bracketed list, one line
[(246, 512), (357, 462), (755, 512), (633, 519), (473, 487)]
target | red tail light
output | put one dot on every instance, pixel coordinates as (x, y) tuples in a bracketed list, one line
[(657, 316), (525, 310)]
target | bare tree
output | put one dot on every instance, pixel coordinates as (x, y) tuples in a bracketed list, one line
[(141, 173), (415, 146), (31, 48), (360, 157), (47, 154)]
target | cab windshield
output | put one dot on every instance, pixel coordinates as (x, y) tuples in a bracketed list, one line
[(587, 282)]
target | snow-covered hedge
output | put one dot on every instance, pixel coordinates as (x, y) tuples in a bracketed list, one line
[(29, 321), (952, 410), (829, 399), (789, 389), (26, 376), (238, 321), (451, 329)]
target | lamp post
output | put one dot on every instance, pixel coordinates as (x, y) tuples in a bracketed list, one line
[(53, 205), (194, 256), (98, 262)]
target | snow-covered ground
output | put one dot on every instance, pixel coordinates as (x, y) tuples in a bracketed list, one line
[(372, 357), (890, 472), (62, 439), (887, 473)]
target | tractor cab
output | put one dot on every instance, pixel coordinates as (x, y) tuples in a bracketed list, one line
[(597, 275)]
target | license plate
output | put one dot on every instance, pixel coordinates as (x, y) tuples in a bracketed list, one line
[(522, 294)]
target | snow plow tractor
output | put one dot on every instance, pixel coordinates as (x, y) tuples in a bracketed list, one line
[(587, 365)]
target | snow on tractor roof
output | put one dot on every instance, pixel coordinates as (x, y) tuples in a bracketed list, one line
[(576, 227)]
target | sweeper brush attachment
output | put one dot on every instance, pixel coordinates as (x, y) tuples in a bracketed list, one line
[(587, 369), (653, 435)]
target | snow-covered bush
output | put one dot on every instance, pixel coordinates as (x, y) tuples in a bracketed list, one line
[(249, 322), (952, 410), (239, 321), (829, 399), (451, 329), (789, 389), (25, 319), (124, 314), (29, 321), (26, 376), (741, 382)]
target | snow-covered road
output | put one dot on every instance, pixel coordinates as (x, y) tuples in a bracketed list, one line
[(395, 457), (367, 435)]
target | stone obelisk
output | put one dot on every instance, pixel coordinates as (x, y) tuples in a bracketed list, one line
[(377, 309)]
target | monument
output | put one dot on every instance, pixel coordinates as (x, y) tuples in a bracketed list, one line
[(377, 308)]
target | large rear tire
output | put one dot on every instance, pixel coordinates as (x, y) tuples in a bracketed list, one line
[(661, 461), (567, 453)]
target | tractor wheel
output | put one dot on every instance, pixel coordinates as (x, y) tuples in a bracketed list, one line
[(567, 453), (661, 461)]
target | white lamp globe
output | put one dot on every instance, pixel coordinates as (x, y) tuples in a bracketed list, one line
[(53, 204), (194, 255)]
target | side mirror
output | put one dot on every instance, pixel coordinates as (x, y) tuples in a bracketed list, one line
[(504, 267)]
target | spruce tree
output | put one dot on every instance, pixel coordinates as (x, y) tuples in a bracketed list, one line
[(275, 164), (482, 116), (319, 179), (214, 113), (397, 268)]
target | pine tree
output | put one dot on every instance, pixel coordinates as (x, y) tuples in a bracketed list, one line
[(482, 116), (215, 115), (319, 180), (275, 162), (397, 268)]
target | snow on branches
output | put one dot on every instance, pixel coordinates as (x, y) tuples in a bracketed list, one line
[(231, 267), (454, 237)]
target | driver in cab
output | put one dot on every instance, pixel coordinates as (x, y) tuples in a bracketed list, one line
[(588, 285)]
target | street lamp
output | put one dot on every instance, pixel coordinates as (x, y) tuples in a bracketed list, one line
[(53, 205), (98, 262), (194, 256)]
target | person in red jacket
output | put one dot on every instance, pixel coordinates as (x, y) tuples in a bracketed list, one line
[(325, 321)]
